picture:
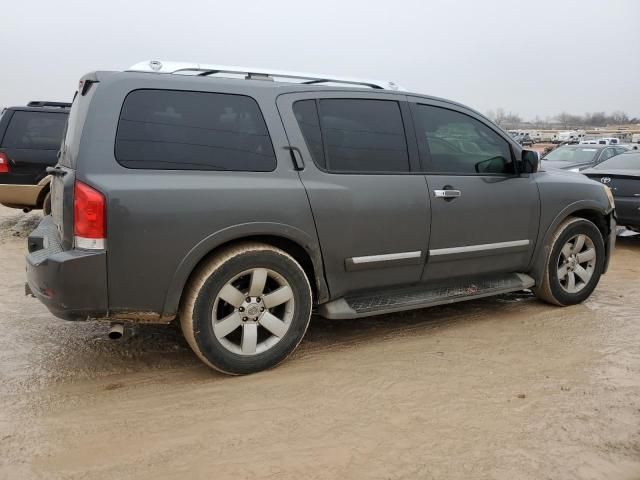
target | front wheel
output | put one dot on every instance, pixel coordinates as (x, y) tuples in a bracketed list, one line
[(246, 309), (574, 264)]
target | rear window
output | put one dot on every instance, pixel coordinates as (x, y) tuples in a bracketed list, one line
[(572, 154), (35, 130), (178, 130)]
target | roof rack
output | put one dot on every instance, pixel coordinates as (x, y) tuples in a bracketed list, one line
[(49, 104), (253, 73)]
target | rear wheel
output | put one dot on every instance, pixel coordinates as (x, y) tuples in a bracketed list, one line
[(574, 265), (246, 309)]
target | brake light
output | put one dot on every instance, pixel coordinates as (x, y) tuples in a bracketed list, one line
[(89, 227), (4, 163)]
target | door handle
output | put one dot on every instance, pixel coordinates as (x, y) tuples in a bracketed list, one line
[(296, 158), (447, 193)]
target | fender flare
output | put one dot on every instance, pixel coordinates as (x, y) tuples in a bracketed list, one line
[(45, 183), (239, 232)]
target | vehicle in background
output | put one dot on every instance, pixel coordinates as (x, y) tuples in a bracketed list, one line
[(549, 136), (601, 141), (572, 136), (29, 142), (536, 137), (240, 205), (523, 138), (579, 157), (622, 175), (635, 138)]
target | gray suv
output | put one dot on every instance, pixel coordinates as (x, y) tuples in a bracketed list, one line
[(239, 206)]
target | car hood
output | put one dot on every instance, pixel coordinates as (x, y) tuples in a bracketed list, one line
[(563, 165)]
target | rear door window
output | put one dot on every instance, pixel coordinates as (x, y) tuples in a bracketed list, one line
[(363, 135), (354, 135), (180, 130), (35, 130)]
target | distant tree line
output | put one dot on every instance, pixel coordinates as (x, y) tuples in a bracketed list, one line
[(564, 119)]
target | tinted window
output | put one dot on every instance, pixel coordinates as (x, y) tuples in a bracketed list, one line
[(35, 130), (307, 115), (170, 129), (363, 136), (458, 143)]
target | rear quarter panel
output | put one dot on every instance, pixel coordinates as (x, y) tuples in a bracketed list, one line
[(161, 223)]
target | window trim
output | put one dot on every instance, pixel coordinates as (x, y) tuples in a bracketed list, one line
[(257, 103), (407, 125), (426, 163)]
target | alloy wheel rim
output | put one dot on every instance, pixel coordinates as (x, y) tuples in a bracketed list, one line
[(576, 263), (253, 311)]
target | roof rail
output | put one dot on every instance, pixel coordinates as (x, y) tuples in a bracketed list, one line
[(155, 66), (49, 104)]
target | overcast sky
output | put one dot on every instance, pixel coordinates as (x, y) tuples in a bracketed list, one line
[(530, 57)]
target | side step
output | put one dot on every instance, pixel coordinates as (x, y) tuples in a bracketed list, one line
[(421, 296)]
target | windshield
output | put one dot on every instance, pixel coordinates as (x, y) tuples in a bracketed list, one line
[(628, 161), (572, 154)]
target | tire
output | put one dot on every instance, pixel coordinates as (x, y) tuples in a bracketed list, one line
[(557, 288), (46, 204), (246, 343)]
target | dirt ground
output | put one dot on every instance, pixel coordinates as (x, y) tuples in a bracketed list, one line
[(502, 388)]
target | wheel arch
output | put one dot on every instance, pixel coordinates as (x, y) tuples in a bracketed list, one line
[(292, 240), (45, 183), (587, 209)]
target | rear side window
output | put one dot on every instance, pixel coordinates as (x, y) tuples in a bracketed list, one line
[(178, 130), (459, 144), (35, 130), (354, 135), (307, 115)]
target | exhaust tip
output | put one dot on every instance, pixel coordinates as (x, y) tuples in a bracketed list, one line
[(116, 331)]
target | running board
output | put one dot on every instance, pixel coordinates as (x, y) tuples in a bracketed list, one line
[(421, 296)]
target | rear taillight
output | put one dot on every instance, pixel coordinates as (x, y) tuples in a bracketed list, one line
[(89, 228), (4, 163)]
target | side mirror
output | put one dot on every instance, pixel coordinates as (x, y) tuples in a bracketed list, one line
[(529, 162)]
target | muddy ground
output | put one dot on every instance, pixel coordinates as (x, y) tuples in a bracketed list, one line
[(502, 388)]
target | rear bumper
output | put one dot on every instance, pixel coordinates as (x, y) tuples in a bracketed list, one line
[(20, 196), (71, 283)]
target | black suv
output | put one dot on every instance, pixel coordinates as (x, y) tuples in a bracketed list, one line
[(29, 142)]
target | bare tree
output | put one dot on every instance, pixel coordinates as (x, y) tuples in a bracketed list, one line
[(619, 117), (563, 118)]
